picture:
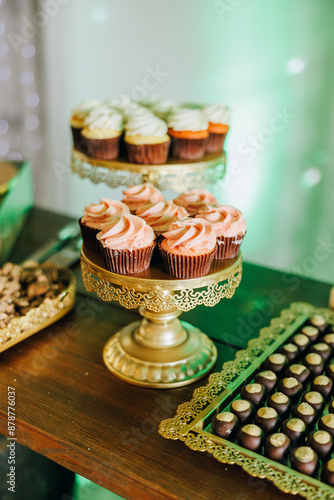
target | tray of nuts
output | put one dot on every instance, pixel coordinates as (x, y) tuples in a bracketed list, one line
[(32, 296), (271, 410)]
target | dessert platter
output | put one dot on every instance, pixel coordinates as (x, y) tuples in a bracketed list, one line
[(122, 142), (271, 410)]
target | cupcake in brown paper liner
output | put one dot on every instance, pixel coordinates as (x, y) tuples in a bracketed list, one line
[(77, 122), (102, 133), (218, 116), (146, 139), (194, 200), (141, 194), (189, 132), (94, 216), (127, 243), (188, 248), (229, 226)]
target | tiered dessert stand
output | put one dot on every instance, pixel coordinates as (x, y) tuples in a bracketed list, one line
[(160, 351)]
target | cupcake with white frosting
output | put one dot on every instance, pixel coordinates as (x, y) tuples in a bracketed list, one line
[(146, 138), (77, 120), (189, 131), (218, 116), (102, 131), (230, 228), (162, 109)]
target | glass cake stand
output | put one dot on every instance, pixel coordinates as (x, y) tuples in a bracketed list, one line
[(160, 351), (178, 175)]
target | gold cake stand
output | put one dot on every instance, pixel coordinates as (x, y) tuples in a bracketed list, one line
[(178, 175), (160, 351)]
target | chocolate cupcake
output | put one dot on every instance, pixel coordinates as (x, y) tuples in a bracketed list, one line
[(267, 378), (188, 248), (277, 446), (321, 442), (225, 424), (300, 372), (189, 132), (250, 436), (242, 409), (304, 459)]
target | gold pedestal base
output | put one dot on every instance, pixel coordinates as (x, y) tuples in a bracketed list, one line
[(160, 351)]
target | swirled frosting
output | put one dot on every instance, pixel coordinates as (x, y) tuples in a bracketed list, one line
[(160, 215), (164, 107), (187, 119), (190, 236), (145, 123), (217, 113), (104, 118), (123, 101), (126, 232), (195, 200), (85, 107), (226, 220), (96, 214), (141, 194), (149, 101)]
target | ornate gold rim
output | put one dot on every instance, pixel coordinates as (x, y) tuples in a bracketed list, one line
[(190, 416), (40, 317)]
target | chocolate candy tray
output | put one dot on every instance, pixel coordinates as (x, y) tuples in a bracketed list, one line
[(192, 422)]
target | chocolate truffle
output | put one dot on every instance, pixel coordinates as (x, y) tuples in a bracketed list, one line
[(305, 412), (330, 371), (326, 423), (301, 341), (225, 424), (290, 386), (242, 409), (327, 473), (319, 322), (267, 378), (294, 428), (322, 349), (304, 459), (322, 384), (250, 436), (276, 446), (267, 418), (275, 362), (311, 332), (290, 351), (254, 393), (280, 402), (314, 363), (300, 372), (315, 399), (329, 339), (321, 442)]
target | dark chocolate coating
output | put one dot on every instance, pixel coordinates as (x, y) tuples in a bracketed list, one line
[(293, 371), (270, 363), (324, 425), (311, 332), (295, 436), (268, 425), (324, 389), (321, 328), (281, 408), (297, 412), (244, 415), (323, 351), (254, 397), (314, 441), (268, 383), (301, 347), (329, 339), (308, 467), (224, 429), (291, 392), (277, 453), (327, 473), (317, 406), (315, 368), (331, 407), (249, 441), (330, 371), (290, 351)]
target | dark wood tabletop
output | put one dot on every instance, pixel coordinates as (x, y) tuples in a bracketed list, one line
[(71, 409)]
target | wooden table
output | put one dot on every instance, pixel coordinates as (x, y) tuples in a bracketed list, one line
[(72, 410)]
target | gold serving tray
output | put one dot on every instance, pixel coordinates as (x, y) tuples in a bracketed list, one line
[(40, 317), (191, 423)]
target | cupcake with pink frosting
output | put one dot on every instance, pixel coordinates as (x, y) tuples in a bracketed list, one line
[(142, 194), (161, 215), (188, 248), (229, 226), (127, 243), (94, 216), (195, 200)]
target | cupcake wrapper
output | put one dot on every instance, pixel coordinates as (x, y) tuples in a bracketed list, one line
[(215, 143), (188, 149), (89, 237), (151, 154), (76, 133), (228, 248), (186, 266), (128, 261), (104, 149)]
